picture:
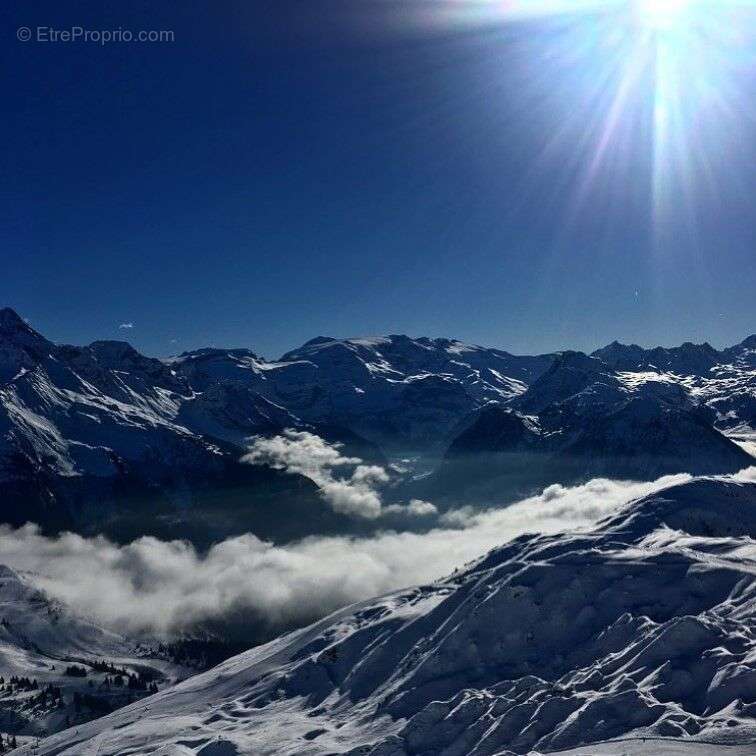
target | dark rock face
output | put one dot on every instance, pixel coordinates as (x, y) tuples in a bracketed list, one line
[(495, 429), (688, 359)]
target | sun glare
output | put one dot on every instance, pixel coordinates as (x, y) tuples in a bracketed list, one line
[(662, 15), (657, 85)]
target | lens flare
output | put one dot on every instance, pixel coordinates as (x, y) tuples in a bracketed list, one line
[(661, 87), (662, 15)]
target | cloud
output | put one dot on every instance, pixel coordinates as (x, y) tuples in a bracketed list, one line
[(354, 492), (416, 508), (259, 588), (459, 518), (126, 326), (746, 476)]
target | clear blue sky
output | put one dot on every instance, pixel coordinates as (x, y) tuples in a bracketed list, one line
[(291, 169)]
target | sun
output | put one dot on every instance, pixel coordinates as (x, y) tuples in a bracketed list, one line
[(659, 89), (662, 15)]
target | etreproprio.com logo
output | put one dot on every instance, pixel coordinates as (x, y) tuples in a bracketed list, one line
[(50, 34)]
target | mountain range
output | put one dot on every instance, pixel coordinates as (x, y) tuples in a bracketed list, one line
[(584, 419), (101, 438)]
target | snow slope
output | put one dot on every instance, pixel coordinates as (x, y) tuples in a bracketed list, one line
[(639, 635), (40, 638)]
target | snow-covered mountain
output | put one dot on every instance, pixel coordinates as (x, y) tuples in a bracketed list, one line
[(102, 438), (688, 359), (408, 394), (403, 394), (725, 381), (58, 669), (582, 419), (639, 635)]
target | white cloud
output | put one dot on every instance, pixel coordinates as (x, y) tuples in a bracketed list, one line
[(158, 586), (458, 518), (416, 508), (126, 326), (354, 493), (352, 498), (746, 476)]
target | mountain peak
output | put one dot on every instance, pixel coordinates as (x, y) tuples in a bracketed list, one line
[(690, 346), (20, 345), (318, 340), (578, 361), (12, 323), (8, 316)]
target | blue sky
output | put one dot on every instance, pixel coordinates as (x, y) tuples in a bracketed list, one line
[(286, 169)]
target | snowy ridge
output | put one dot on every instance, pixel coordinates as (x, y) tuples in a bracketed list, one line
[(643, 628), (724, 381), (74, 411), (395, 391)]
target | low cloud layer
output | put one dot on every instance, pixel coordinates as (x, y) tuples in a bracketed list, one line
[(346, 484), (258, 588)]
